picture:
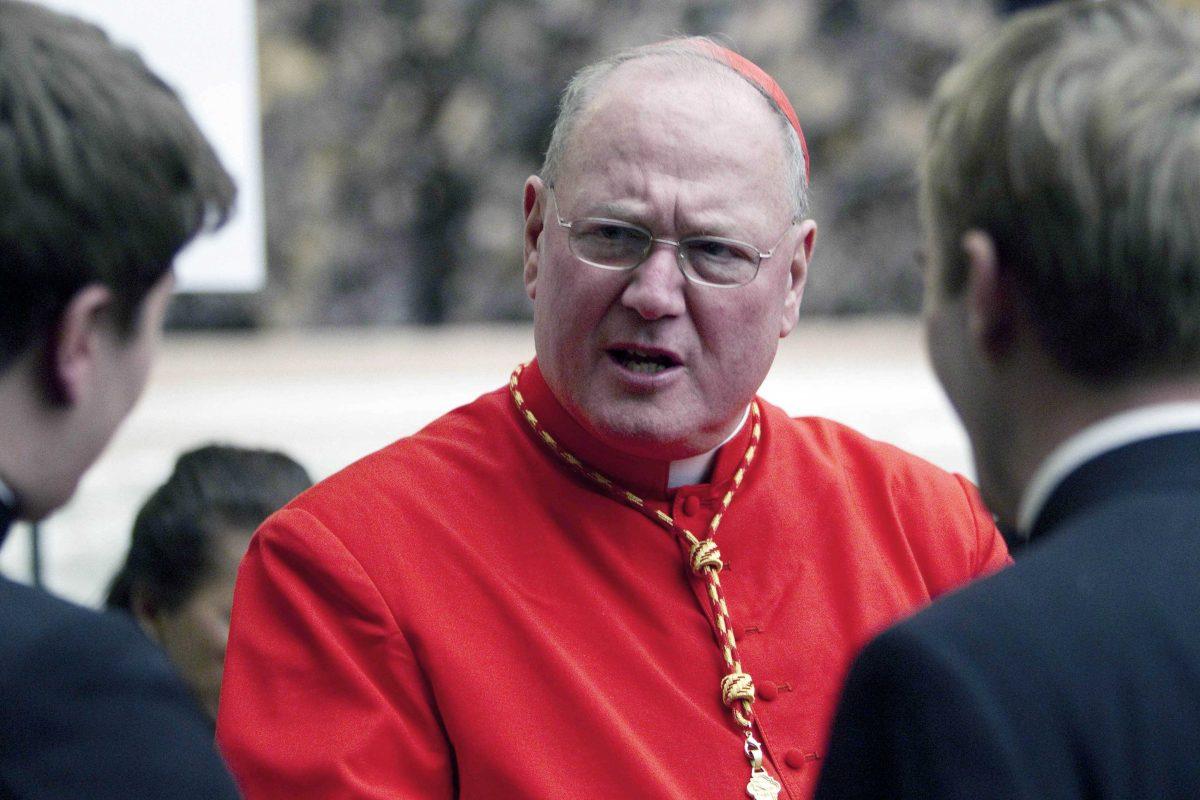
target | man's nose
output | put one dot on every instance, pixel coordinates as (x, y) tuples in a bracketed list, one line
[(656, 287)]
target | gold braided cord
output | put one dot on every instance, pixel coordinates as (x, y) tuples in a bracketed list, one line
[(737, 687), (705, 555)]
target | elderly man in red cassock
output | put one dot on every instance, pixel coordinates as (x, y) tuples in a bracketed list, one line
[(622, 574)]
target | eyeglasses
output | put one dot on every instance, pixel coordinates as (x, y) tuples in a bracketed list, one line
[(623, 246)]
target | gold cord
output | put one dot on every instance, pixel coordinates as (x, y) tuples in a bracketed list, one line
[(737, 687)]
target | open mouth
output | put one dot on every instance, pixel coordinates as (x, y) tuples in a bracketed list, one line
[(646, 362)]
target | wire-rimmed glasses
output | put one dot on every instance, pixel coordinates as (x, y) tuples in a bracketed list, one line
[(622, 246)]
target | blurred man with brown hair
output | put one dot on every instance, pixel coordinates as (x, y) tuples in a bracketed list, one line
[(104, 177), (1061, 198)]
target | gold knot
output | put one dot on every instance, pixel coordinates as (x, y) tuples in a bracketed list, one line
[(737, 686), (705, 555)]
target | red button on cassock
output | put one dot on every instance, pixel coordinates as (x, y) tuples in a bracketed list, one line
[(691, 505), (767, 690), (794, 759)]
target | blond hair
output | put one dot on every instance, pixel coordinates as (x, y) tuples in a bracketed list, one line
[(1073, 140)]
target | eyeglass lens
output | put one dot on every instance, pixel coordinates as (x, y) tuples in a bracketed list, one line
[(609, 243)]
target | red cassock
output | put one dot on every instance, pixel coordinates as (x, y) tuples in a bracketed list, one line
[(462, 615)]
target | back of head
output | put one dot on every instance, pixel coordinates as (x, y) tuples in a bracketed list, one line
[(212, 491), (104, 176), (1073, 140)]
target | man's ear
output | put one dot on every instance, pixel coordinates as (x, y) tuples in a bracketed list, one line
[(535, 202), (74, 346), (797, 275), (990, 301)]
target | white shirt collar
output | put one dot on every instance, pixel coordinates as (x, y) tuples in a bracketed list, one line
[(694, 469), (1108, 434)]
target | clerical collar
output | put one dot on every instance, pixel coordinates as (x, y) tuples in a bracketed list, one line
[(687, 471), (648, 476), (1095, 440)]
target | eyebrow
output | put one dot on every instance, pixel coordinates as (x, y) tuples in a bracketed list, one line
[(620, 211)]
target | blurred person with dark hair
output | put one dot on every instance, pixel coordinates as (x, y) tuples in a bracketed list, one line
[(1061, 197), (104, 177), (188, 539), (564, 588)]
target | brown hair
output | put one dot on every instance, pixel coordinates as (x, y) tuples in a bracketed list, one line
[(211, 490), (104, 176)]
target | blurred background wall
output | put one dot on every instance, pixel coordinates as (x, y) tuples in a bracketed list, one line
[(397, 135), (396, 138)]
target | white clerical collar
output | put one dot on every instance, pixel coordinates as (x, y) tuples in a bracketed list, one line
[(687, 471), (1108, 434)]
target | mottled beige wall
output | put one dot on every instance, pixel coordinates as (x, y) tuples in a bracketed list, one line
[(398, 136)]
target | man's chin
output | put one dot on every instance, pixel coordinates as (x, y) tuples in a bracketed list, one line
[(1000, 497)]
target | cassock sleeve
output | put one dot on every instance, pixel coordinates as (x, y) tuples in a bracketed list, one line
[(914, 724), (322, 696)]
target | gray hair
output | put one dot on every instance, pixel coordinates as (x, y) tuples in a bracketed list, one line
[(587, 81), (1073, 140)]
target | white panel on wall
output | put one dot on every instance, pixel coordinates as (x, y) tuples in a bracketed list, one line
[(207, 51)]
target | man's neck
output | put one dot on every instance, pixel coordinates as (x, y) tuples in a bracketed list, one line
[(1111, 433), (7, 498), (8, 509), (9, 430), (645, 475), (35, 439), (12, 437), (1051, 419)]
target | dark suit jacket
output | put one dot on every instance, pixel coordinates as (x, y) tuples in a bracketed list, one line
[(91, 710), (1073, 674)]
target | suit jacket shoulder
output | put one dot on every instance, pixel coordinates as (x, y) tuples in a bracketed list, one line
[(92, 709), (1072, 674)]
